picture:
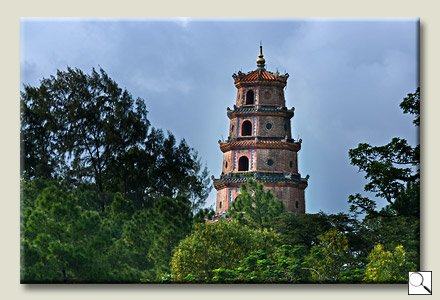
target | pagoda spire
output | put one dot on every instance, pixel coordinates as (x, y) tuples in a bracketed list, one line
[(260, 60)]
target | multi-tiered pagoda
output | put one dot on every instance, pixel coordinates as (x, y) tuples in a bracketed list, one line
[(260, 143)]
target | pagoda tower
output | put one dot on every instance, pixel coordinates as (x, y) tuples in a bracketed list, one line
[(260, 144)]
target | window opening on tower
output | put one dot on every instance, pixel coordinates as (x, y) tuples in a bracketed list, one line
[(246, 128), (243, 164), (249, 97)]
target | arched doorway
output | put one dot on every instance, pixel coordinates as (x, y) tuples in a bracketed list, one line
[(243, 164), (246, 128), (249, 97)]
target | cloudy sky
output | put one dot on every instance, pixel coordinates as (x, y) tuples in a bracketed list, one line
[(347, 78)]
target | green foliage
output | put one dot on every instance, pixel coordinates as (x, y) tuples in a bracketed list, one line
[(386, 266), (282, 266), (305, 229), (391, 232), (392, 170), (82, 128), (61, 242), (203, 214), (331, 257), (104, 198), (170, 221), (161, 168), (411, 105), (218, 245), (256, 207), (84, 118)]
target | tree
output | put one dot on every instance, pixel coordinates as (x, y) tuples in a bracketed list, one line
[(63, 243), (386, 266), (170, 221), (391, 232), (217, 245), (256, 207), (330, 258), (203, 214), (282, 266), (306, 229), (393, 171), (91, 159), (75, 123), (159, 168), (84, 129)]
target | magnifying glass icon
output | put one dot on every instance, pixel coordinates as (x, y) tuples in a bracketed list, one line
[(416, 280)]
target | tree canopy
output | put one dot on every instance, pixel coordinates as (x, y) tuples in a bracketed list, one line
[(83, 128), (393, 171), (218, 245), (256, 207), (105, 196)]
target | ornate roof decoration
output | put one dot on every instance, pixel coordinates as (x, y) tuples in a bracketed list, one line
[(261, 110), (260, 74), (267, 177), (256, 143)]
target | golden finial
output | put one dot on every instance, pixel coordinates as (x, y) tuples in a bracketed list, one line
[(260, 60)]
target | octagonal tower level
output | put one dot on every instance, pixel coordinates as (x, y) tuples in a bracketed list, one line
[(260, 143)]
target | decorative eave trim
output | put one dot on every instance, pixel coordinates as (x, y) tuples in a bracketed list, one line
[(239, 84), (237, 145), (249, 112), (293, 180)]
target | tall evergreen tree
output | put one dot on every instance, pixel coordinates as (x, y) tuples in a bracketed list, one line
[(256, 207)]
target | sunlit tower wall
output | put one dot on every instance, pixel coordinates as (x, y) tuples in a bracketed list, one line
[(260, 144)]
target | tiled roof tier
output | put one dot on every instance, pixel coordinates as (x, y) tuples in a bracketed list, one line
[(278, 178), (260, 143), (260, 76), (268, 110)]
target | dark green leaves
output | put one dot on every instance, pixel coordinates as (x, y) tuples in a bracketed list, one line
[(105, 198), (74, 123), (256, 207), (392, 170), (411, 105)]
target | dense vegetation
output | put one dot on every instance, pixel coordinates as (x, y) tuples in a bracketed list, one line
[(105, 197)]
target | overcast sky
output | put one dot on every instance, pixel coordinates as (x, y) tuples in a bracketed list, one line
[(347, 79)]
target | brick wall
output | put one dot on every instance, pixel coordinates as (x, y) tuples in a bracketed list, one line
[(271, 95), (281, 160), (227, 158), (263, 95), (280, 126), (222, 198), (292, 197)]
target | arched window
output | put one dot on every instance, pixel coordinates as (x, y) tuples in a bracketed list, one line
[(249, 97), (296, 204), (243, 164), (246, 128)]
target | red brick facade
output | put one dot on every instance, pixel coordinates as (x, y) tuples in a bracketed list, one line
[(260, 143)]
